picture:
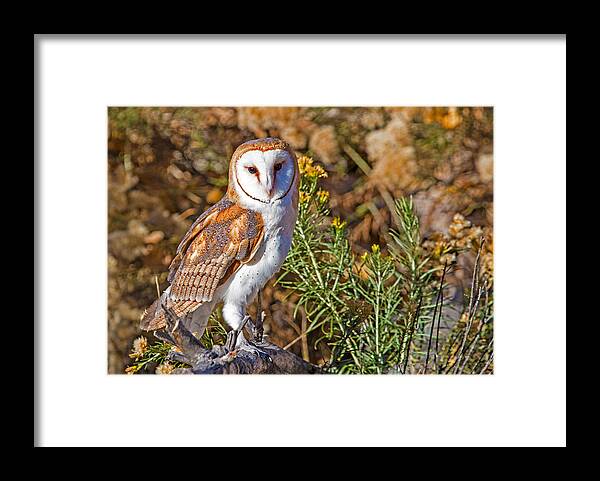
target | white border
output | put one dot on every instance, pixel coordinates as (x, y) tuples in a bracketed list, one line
[(522, 404)]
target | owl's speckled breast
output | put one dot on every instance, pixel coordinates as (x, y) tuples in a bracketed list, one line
[(245, 284)]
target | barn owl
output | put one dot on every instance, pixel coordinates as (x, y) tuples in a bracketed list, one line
[(237, 245)]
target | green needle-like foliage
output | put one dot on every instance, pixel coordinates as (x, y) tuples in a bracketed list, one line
[(376, 313)]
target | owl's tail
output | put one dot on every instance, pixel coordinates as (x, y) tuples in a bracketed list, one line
[(153, 317)]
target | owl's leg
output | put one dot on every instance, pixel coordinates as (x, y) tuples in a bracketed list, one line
[(257, 328), (231, 340), (235, 317), (235, 337)]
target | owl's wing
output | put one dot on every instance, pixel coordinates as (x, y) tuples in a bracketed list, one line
[(215, 246)]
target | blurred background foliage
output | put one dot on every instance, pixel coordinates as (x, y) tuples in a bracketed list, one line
[(166, 165)]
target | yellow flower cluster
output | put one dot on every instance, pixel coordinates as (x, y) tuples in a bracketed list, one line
[(304, 197), (309, 169), (322, 196), (337, 223), (439, 248)]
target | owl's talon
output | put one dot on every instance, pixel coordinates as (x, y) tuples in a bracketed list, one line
[(233, 336), (231, 340), (258, 329), (245, 345), (229, 356), (245, 320), (177, 356)]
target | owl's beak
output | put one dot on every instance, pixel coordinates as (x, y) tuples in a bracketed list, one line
[(269, 186)]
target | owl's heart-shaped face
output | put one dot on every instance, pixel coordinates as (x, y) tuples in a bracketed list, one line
[(265, 176)]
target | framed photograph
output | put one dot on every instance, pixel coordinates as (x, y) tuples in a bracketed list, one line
[(340, 228), (348, 240)]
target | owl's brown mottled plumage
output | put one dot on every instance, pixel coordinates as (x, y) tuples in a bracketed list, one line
[(215, 246)]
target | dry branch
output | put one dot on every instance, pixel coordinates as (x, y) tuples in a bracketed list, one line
[(219, 360)]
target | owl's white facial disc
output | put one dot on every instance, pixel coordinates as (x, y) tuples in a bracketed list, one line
[(265, 176)]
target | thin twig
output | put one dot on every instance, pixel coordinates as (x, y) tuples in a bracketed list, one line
[(412, 330), (437, 334), (294, 341), (487, 364), (157, 287), (305, 353), (440, 296), (463, 346), (475, 277), (471, 346), (472, 305), (483, 355)]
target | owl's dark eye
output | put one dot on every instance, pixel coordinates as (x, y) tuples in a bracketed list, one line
[(278, 167), (252, 170)]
